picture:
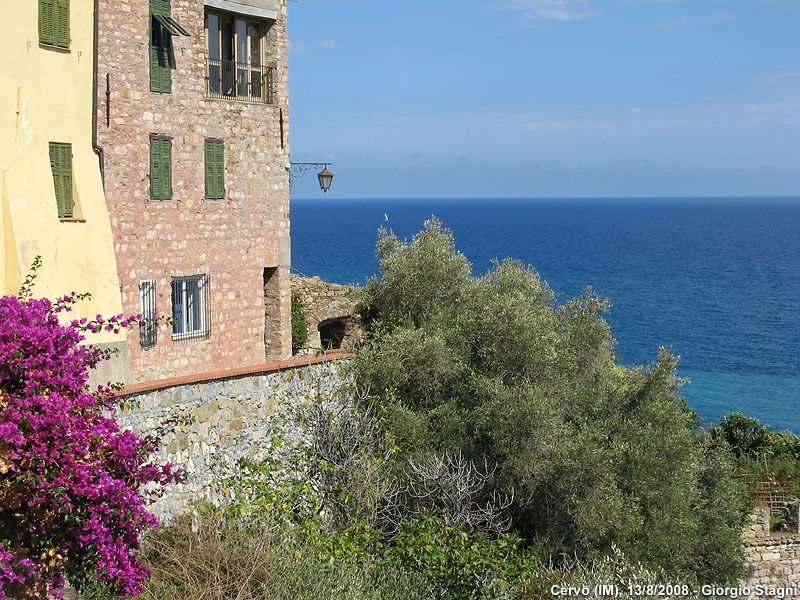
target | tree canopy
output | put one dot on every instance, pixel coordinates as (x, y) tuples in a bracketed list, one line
[(594, 454)]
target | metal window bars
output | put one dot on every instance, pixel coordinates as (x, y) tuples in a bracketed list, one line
[(240, 81), (148, 331), (190, 307)]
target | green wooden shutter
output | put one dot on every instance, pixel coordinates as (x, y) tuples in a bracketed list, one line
[(166, 169), (155, 169), (66, 181), (209, 155), (155, 71), (161, 7), (61, 167), (61, 20), (166, 72), (219, 170), (160, 73), (160, 40), (47, 31), (55, 167), (215, 169)]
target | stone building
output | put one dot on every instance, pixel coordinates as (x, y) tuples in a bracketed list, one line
[(192, 114), (51, 193)]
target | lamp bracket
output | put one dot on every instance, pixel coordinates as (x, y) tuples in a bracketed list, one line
[(298, 169)]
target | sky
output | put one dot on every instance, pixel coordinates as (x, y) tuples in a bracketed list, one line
[(546, 98)]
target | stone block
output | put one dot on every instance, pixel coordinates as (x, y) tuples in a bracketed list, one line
[(202, 413), (237, 409)]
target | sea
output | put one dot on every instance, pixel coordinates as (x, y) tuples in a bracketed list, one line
[(717, 280)]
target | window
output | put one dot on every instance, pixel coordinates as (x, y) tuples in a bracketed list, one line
[(160, 168), (215, 169), (235, 66), (162, 28), (190, 307), (61, 165), (54, 23), (148, 331)]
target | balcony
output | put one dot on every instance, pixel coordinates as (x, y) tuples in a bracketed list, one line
[(263, 9), (226, 79)]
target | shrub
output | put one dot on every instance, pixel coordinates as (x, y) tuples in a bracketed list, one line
[(746, 437), (594, 454), (330, 484), (764, 456), (299, 325), (70, 481), (407, 293), (325, 463), (749, 439), (204, 557), (458, 565)]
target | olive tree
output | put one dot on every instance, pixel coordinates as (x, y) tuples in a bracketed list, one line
[(593, 454)]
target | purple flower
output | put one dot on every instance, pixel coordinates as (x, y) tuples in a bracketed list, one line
[(72, 476)]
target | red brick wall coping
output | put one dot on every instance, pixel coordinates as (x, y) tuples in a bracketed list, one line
[(281, 365)]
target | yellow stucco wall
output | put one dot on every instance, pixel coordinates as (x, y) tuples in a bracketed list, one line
[(46, 97)]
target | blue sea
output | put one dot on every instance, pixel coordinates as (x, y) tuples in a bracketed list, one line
[(715, 279)]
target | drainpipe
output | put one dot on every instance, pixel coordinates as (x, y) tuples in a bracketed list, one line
[(97, 149)]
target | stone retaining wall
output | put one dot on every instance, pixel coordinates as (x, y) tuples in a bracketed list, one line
[(773, 559), (230, 412), (325, 303)]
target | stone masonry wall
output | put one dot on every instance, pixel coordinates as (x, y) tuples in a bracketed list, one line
[(773, 559), (236, 240), (325, 302), (230, 419)]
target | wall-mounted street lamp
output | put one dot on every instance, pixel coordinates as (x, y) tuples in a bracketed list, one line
[(299, 169)]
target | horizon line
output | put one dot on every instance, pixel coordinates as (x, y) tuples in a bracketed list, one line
[(604, 197)]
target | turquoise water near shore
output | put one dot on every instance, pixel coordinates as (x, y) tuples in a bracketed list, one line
[(715, 279)]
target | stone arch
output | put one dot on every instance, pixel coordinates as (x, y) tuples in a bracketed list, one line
[(330, 312), (332, 332)]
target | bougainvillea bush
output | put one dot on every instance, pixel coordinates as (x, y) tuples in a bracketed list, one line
[(72, 501)]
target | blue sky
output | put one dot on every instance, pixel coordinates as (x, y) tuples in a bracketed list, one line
[(546, 98)]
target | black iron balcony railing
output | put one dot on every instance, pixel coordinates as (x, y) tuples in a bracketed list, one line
[(242, 81)]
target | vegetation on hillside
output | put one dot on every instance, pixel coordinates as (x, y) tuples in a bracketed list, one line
[(485, 444), (329, 509), (594, 455), (768, 461)]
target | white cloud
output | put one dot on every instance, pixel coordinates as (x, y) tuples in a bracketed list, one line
[(567, 125), (684, 22), (780, 85), (650, 1), (305, 48), (539, 11)]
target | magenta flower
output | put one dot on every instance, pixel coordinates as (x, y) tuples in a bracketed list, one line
[(72, 496)]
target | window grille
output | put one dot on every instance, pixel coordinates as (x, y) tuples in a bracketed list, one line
[(148, 331), (242, 81), (190, 307)]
